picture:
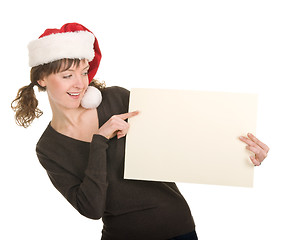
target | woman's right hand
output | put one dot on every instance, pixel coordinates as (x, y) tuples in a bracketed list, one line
[(116, 125)]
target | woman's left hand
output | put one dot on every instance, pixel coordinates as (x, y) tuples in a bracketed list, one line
[(259, 149)]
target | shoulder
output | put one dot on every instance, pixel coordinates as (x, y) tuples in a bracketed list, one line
[(51, 141), (45, 146), (115, 92), (116, 99)]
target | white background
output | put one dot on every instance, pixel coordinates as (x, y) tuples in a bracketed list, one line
[(200, 45)]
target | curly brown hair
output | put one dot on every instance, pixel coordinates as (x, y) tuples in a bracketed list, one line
[(25, 104)]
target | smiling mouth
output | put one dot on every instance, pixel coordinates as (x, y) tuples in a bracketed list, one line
[(73, 94)]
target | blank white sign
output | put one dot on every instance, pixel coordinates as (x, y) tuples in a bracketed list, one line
[(190, 136)]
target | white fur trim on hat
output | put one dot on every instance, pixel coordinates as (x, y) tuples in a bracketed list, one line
[(92, 98), (61, 45)]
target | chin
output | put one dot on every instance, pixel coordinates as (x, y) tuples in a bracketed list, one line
[(72, 105)]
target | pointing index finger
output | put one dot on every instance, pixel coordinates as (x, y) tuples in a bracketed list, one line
[(125, 116)]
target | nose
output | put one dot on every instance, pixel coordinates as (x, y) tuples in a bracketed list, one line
[(79, 81)]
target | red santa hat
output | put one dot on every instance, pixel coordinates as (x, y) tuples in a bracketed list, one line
[(71, 41)]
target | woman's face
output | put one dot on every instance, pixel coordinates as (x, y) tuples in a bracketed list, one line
[(66, 89)]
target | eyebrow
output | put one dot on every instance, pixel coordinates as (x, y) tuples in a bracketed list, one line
[(72, 70)]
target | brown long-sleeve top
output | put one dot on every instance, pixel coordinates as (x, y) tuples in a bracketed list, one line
[(90, 177)]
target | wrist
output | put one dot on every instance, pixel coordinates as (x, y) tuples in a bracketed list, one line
[(98, 136), (103, 134)]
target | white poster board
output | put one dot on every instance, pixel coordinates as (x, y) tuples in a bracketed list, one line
[(190, 136)]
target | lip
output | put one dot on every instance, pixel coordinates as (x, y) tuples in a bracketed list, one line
[(74, 95)]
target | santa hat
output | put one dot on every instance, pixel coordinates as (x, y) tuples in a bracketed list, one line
[(71, 41)]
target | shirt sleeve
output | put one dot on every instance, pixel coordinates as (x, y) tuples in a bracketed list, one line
[(88, 196)]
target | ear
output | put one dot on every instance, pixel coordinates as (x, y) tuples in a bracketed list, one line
[(42, 82)]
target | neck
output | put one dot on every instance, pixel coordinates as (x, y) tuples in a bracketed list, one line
[(65, 118)]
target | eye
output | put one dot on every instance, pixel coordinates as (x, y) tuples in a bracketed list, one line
[(67, 76), (86, 73)]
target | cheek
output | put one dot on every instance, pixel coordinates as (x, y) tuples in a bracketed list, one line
[(86, 84), (55, 88)]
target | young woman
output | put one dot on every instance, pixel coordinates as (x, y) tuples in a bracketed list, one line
[(82, 148)]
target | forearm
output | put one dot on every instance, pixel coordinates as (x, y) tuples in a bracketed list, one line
[(91, 194)]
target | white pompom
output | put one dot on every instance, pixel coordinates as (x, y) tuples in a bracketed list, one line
[(92, 98)]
